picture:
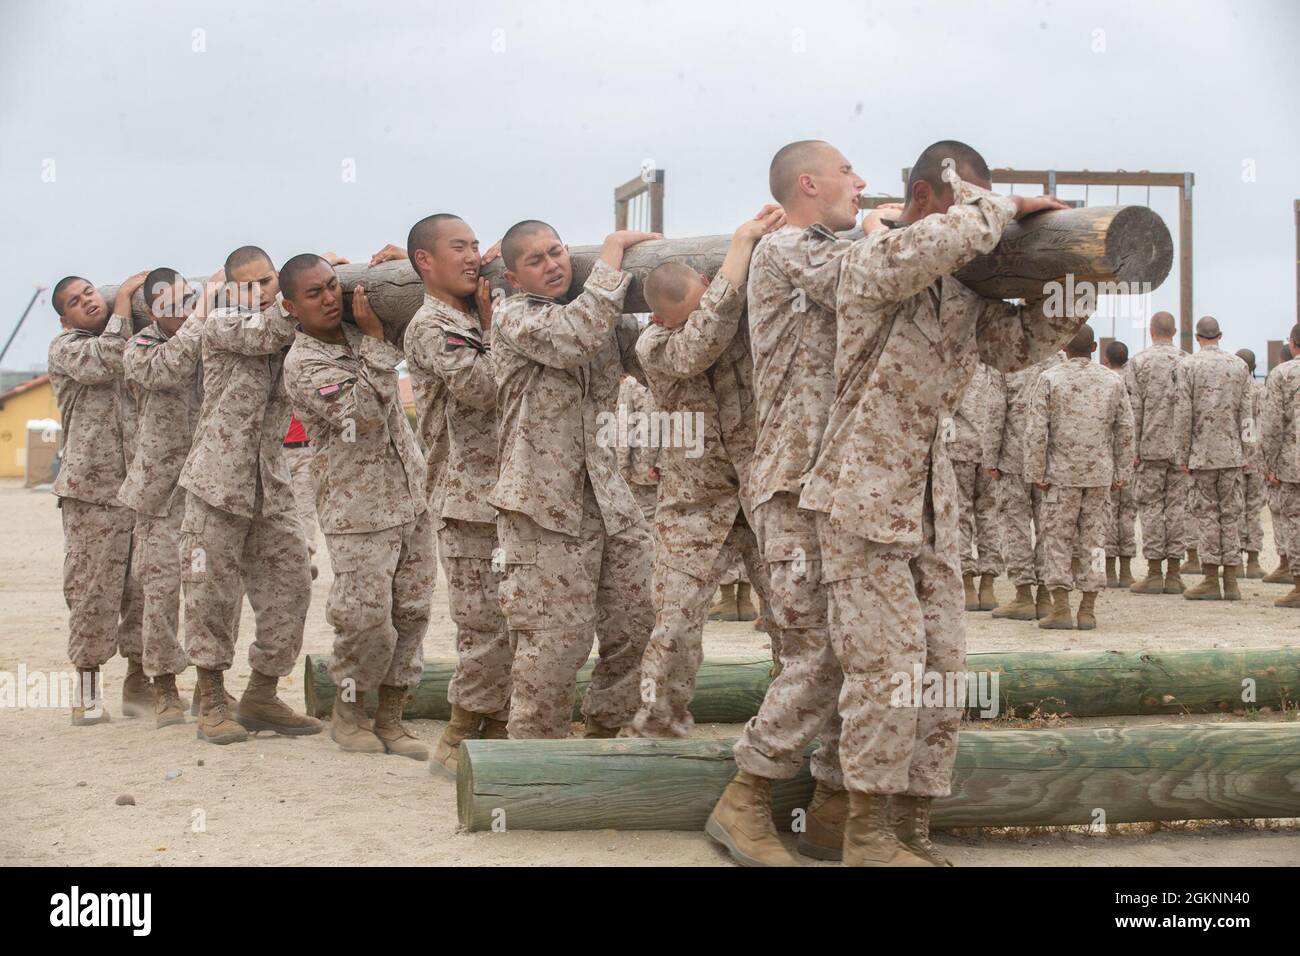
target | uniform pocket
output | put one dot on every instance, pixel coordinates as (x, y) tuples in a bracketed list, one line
[(193, 552)]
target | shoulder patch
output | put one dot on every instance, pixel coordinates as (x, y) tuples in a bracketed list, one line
[(455, 341), (143, 340), (327, 390)]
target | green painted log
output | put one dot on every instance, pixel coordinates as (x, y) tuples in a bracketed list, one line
[(726, 691), (1074, 683), (1002, 778)]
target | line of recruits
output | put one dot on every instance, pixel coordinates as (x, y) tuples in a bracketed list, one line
[(826, 370)]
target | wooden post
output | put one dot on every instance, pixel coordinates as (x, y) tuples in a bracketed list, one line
[(1002, 778), (1274, 353), (1185, 263)]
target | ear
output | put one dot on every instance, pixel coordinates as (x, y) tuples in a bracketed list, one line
[(288, 307), (655, 320), (512, 279), (1094, 347), (922, 193), (807, 185)]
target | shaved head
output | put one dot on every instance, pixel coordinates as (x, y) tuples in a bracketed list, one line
[(293, 269), (1162, 324), (1081, 345), (424, 234), (667, 285), (60, 287), (246, 255), (517, 233), (1247, 356), (929, 165), (792, 161), (1117, 354)]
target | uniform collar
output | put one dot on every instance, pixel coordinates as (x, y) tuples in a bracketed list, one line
[(468, 321)]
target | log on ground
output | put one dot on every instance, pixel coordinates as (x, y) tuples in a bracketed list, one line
[(1062, 683), (1001, 778)]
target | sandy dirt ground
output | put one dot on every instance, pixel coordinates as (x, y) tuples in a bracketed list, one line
[(280, 800)]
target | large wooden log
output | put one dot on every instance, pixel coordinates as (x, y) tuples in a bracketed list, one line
[(1128, 244), (1067, 683), (1002, 778), (726, 691)]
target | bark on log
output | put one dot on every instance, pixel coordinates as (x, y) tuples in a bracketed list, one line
[(1002, 778), (1129, 244), (1066, 683)]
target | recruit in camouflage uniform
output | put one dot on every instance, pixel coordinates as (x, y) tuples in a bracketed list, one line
[(1121, 525), (576, 548), (1252, 485), (701, 370), (1161, 418), (792, 281), (450, 359), (104, 607), (1281, 462), (1021, 502), (370, 500), (973, 442), (240, 527), (1079, 444), (164, 372), (1217, 387), (910, 336)]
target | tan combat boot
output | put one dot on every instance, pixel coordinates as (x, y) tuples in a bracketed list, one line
[(1154, 582), (744, 608), (1021, 607), (137, 692), (869, 837), (595, 730), (493, 729), (1253, 570), (88, 699), (1059, 619), (1208, 589), (388, 725), (987, 598), (231, 703), (1087, 616), (1193, 564), (968, 586), (446, 752), (1043, 602), (351, 729), (1231, 591), (1281, 574), (215, 723), (1292, 597), (1112, 579), (260, 709), (910, 817), (167, 708), (1173, 577), (742, 822), (823, 836), (1125, 572), (725, 608)]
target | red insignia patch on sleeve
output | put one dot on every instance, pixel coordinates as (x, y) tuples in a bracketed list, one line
[(326, 390), (454, 341), (143, 340)]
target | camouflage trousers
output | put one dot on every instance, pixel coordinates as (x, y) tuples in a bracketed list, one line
[(895, 615), (481, 683), (1217, 492), (379, 604), (1022, 531), (1271, 496), (1286, 524), (156, 560), (304, 491), (559, 592), (681, 604), (224, 555), (1252, 503), (801, 702), (103, 596), (980, 523), (1074, 523), (1162, 495), (1121, 527)]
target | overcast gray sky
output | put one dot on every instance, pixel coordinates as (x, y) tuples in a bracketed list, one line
[(134, 135)]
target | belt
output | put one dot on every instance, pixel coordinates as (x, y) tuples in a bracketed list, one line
[(296, 444)]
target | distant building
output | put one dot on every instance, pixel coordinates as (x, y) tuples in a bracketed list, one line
[(30, 401)]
